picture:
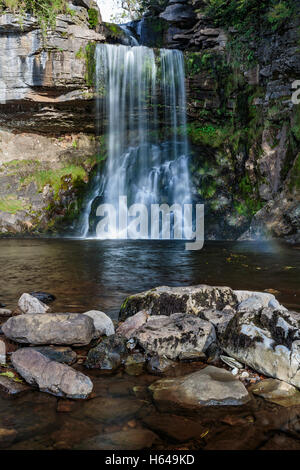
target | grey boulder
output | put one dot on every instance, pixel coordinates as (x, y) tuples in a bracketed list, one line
[(175, 335), (102, 323), (51, 377), (268, 341), (58, 329), (168, 300), (207, 387)]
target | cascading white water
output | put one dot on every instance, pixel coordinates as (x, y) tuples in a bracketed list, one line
[(145, 107)]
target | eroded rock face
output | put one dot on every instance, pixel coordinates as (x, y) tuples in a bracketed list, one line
[(47, 73), (58, 329), (175, 335), (29, 304), (268, 341), (169, 300), (208, 387), (51, 377)]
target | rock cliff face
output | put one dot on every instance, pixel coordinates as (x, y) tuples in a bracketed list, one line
[(243, 122), (243, 125), (47, 133)]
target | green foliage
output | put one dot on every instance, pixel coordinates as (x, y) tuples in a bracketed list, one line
[(54, 177), (11, 204), (93, 17), (278, 14), (44, 10)]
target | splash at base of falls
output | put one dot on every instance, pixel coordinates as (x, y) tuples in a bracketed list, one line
[(143, 97)]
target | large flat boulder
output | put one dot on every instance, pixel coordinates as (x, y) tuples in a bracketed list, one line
[(175, 335), (268, 341), (58, 329), (167, 300), (50, 376), (207, 387)]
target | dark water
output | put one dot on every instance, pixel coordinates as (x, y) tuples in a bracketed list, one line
[(86, 274), (92, 274)]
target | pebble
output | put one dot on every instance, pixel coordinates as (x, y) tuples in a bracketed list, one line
[(235, 371)]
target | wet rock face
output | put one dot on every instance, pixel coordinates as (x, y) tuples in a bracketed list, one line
[(58, 329), (51, 377), (268, 341), (169, 300), (208, 387), (175, 335)]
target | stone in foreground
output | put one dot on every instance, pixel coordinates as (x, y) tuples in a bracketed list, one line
[(51, 377), (173, 335), (29, 304), (103, 324), (208, 387), (11, 388), (277, 392), (108, 354), (168, 300), (58, 329), (268, 341)]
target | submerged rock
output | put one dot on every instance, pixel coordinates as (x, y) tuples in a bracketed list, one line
[(268, 341), (43, 297), (51, 377), (58, 328), (131, 439), (277, 392), (29, 304), (102, 323), (134, 364), (159, 364), (168, 300), (108, 354), (208, 387), (173, 335)]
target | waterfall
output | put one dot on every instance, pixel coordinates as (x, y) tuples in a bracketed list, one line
[(141, 97)]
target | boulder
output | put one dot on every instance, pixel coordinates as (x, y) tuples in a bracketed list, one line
[(278, 392), (179, 13), (159, 365), (173, 335), (11, 388), (102, 323), (168, 300), (128, 328), (108, 354), (255, 300), (268, 341), (50, 376), (207, 387), (58, 329), (219, 319), (29, 304)]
